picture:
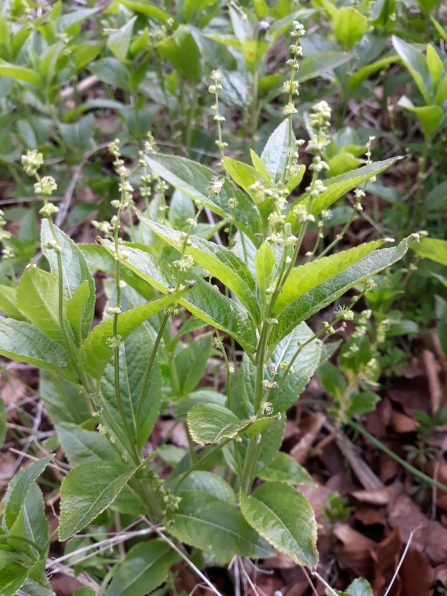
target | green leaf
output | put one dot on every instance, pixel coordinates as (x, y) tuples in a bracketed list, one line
[(144, 568), (68, 20), (285, 518), (416, 63), (363, 402), (21, 341), (63, 402), (349, 26), (325, 293), (181, 208), (435, 65), (182, 51), (430, 117), (82, 446), (203, 300), (210, 483), (214, 526), (431, 248), (442, 331), (220, 261), (84, 592), (135, 354), (274, 155), (16, 498), (96, 353), (31, 523), (317, 64), (193, 179), (12, 578), (367, 71), (147, 9), (332, 380), (210, 423), (119, 41), (265, 265), (439, 28), (87, 491), (74, 266), (337, 187), (78, 312), (112, 72), (304, 278), (190, 363), (20, 73), (245, 176), (8, 302), (283, 468), (86, 53), (38, 299), (359, 587), (260, 167)]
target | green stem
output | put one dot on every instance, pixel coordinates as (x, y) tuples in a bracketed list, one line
[(200, 462), (399, 460)]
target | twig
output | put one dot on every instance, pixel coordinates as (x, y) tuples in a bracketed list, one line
[(57, 466), (401, 561), (84, 85), (327, 586), (184, 557)]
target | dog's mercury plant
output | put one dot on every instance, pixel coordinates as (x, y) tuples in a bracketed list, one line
[(105, 387)]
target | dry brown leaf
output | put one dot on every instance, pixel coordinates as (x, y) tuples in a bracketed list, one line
[(309, 429), (432, 369), (402, 423), (369, 516), (355, 553), (416, 574), (317, 497), (280, 561), (386, 557), (379, 496)]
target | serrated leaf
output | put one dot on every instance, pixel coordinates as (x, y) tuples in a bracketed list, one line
[(144, 568), (136, 394), (210, 423), (285, 518), (86, 491), (74, 266), (77, 312), (190, 363), (21, 341), (359, 587), (325, 293), (96, 353), (38, 300), (265, 265), (220, 261), (274, 155), (337, 187), (283, 468), (203, 300), (82, 446), (16, 498), (361, 403), (304, 278), (214, 526), (295, 381), (193, 179)]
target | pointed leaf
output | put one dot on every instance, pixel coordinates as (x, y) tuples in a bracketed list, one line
[(77, 312), (86, 491), (214, 526), (203, 300), (12, 578), (434, 249), (63, 402), (31, 522), (210, 483), (283, 468), (325, 293), (191, 362), (148, 9), (119, 41), (274, 155), (337, 187), (20, 73), (285, 518), (221, 262), (193, 179), (144, 568), (416, 63), (304, 278), (349, 26), (210, 423), (317, 64), (8, 303), (21, 341), (265, 264), (96, 353)]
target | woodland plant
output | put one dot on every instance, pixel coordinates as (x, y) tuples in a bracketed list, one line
[(233, 492)]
